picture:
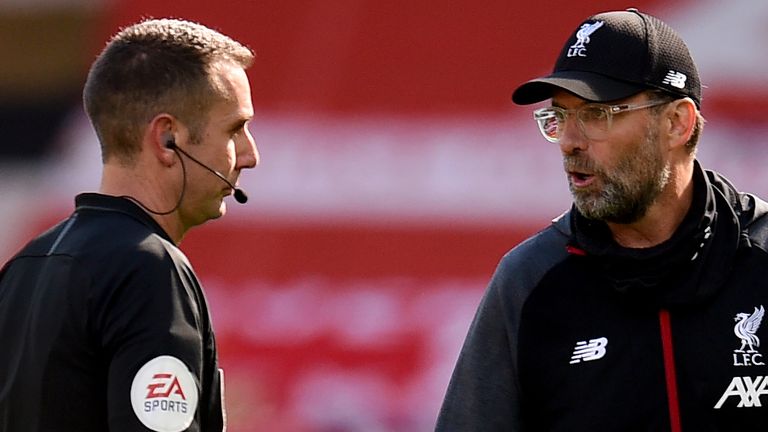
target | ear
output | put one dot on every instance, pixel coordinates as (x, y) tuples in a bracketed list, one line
[(162, 130), (681, 115)]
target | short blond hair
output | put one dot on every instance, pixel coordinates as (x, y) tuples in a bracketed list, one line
[(152, 67)]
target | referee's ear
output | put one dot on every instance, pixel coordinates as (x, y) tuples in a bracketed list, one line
[(161, 130)]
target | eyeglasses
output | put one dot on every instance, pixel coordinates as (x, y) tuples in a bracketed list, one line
[(594, 120)]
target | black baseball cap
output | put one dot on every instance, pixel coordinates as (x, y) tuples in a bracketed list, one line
[(614, 55)]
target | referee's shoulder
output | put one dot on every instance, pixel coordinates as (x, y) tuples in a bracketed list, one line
[(116, 237)]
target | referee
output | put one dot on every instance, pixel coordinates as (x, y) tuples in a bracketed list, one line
[(104, 325)]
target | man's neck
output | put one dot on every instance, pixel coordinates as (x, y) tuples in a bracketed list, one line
[(147, 193)]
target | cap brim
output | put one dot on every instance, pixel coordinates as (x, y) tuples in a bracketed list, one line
[(587, 85)]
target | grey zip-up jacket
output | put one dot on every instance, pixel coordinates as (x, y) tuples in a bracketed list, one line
[(575, 333)]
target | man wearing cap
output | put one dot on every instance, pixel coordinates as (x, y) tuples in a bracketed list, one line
[(640, 308)]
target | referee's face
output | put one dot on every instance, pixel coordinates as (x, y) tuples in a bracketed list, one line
[(225, 145)]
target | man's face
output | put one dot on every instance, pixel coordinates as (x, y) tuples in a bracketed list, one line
[(225, 145), (618, 178)]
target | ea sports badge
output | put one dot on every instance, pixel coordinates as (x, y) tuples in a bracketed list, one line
[(164, 395)]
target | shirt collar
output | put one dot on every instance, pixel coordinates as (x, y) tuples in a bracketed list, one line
[(100, 202)]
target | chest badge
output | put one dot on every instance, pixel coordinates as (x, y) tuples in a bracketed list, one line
[(746, 330)]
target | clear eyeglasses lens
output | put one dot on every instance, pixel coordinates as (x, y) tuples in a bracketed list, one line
[(550, 122), (593, 121)]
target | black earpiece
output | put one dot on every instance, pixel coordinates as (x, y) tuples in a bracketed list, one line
[(239, 194)]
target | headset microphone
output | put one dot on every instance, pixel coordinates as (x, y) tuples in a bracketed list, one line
[(238, 193)]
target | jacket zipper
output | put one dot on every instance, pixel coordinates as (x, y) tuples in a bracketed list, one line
[(669, 371)]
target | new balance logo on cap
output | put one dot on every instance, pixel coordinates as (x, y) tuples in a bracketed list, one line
[(588, 351), (675, 79)]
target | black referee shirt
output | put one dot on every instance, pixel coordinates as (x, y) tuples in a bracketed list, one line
[(104, 327)]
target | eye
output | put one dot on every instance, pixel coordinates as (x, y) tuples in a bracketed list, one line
[(593, 113), (237, 130)]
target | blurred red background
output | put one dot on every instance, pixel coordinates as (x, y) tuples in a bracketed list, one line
[(396, 173)]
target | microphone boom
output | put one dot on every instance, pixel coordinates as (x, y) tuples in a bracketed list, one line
[(239, 194)]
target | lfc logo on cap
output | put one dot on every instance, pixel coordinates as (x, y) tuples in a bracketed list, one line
[(582, 38)]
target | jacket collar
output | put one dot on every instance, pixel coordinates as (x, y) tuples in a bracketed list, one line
[(687, 268)]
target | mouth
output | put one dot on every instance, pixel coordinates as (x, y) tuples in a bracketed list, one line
[(226, 191), (579, 179), (581, 171)]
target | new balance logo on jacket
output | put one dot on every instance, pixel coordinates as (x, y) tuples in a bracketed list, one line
[(662, 342), (588, 351)]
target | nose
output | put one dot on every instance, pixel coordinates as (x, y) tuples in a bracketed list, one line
[(247, 152), (573, 139)]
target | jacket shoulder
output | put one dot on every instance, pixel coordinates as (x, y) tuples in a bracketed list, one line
[(527, 263)]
